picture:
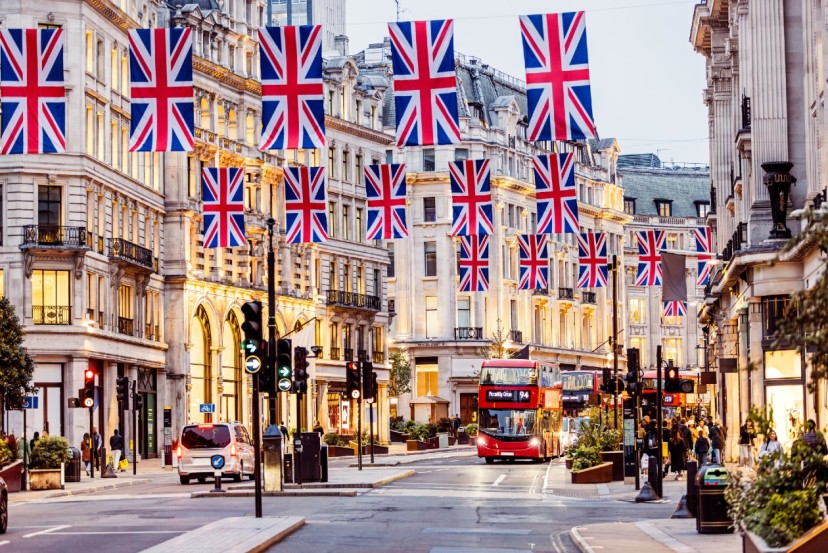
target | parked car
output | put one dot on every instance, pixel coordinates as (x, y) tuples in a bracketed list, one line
[(200, 442), (4, 506)]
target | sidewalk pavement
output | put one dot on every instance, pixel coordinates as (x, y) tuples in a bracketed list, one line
[(652, 536), (232, 535)]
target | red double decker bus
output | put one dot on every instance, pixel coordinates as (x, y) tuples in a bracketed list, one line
[(519, 410)]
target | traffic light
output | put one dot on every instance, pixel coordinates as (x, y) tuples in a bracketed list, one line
[(122, 390), (605, 381), (138, 401), (254, 355), (367, 369), (300, 370), (88, 398), (672, 382), (631, 377), (283, 364), (352, 379)]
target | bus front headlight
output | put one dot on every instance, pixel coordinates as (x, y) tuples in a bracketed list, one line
[(481, 440), (534, 442)]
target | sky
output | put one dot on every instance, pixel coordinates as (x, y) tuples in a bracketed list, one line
[(646, 79)]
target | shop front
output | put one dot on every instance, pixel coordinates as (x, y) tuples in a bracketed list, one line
[(785, 393)]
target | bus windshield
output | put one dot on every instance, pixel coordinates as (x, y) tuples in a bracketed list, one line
[(578, 382), (507, 422), (509, 376)]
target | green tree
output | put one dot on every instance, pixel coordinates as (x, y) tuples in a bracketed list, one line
[(498, 347), (16, 366), (400, 373)]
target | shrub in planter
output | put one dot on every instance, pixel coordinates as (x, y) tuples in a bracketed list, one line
[(11, 441), (6, 456), (49, 452), (421, 432), (397, 424), (410, 426), (331, 438), (585, 457), (443, 424), (471, 429)]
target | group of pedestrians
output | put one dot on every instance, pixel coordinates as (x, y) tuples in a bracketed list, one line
[(684, 438), (92, 447)]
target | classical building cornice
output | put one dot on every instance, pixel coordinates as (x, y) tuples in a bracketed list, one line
[(114, 14), (337, 124), (226, 76)]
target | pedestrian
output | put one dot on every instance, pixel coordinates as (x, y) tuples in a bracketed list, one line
[(318, 427), (34, 440), (746, 436), (716, 441), (812, 438), (455, 424), (86, 452), (116, 444), (678, 450), (770, 446), (702, 447), (283, 429), (97, 444), (687, 435)]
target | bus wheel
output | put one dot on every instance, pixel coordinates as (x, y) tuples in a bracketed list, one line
[(489, 460)]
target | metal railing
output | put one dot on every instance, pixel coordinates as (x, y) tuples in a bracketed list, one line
[(736, 242), (334, 355), (378, 357), (126, 326), (51, 314), (152, 333), (468, 333), (352, 299), (588, 297), (540, 292), (54, 235), (349, 354), (516, 336), (123, 249), (566, 294), (745, 113), (362, 355)]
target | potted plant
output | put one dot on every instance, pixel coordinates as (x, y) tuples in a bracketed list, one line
[(419, 435), (471, 431), (337, 445), (48, 455), (587, 467)]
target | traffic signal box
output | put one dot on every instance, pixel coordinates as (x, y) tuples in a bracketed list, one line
[(122, 391), (352, 380), (284, 361), (255, 355), (368, 391), (300, 370), (672, 381), (88, 392), (632, 380), (138, 401)]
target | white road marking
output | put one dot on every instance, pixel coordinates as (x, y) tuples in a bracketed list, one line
[(500, 479), (546, 476), (47, 531), (2, 543), (108, 532)]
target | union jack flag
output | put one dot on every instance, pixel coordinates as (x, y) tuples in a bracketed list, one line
[(385, 188), (674, 309), (305, 205), (293, 112), (223, 192), (557, 76), (474, 263), (31, 86), (650, 244), (534, 262), (704, 245), (471, 197), (592, 260), (161, 90), (555, 193), (425, 84)]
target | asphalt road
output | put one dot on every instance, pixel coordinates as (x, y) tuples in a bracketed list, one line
[(449, 506)]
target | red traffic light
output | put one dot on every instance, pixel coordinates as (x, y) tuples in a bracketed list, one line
[(89, 374), (672, 373)]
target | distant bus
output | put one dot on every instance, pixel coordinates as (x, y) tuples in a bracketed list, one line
[(577, 387), (672, 402), (520, 410)]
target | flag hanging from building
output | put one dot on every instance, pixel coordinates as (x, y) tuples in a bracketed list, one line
[(555, 193), (675, 282), (425, 84), (557, 76), (32, 91), (474, 263), (674, 309), (161, 90), (704, 245), (650, 242), (293, 112), (385, 188), (471, 197), (222, 190), (534, 262), (592, 260), (306, 202)]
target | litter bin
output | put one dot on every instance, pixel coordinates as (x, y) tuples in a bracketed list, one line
[(72, 469), (462, 437), (323, 460), (288, 472), (311, 446), (442, 439), (272, 459), (711, 512)]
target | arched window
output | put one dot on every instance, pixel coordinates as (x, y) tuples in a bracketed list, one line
[(221, 127), (250, 129), (232, 131), (204, 108), (231, 365), (201, 378)]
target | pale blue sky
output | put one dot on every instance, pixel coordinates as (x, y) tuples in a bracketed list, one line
[(646, 79)]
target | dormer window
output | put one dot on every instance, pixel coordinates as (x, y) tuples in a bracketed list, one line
[(702, 208), (664, 207), (629, 205)]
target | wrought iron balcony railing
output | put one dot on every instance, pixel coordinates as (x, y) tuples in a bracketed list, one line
[(334, 354), (54, 236), (349, 354), (588, 297), (468, 333), (516, 336), (126, 326), (566, 294), (352, 299), (133, 253), (378, 357), (51, 314)]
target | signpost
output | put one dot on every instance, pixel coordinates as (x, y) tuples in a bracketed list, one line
[(217, 462), (31, 402), (207, 408)]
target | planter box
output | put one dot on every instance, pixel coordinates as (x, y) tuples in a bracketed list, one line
[(433, 443), (814, 540), (452, 440), (13, 475), (46, 479), (339, 451), (600, 474), (415, 445), (366, 449), (399, 437), (617, 460), (568, 463)]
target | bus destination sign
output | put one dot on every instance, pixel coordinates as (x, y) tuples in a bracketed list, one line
[(517, 396)]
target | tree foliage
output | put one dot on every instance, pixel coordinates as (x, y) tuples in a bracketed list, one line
[(400, 373), (16, 366), (497, 348)]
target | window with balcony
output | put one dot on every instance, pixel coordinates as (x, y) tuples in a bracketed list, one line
[(347, 349), (333, 332), (463, 312), (430, 210), (426, 376), (391, 271), (629, 206), (428, 159), (430, 251), (664, 208), (377, 345), (432, 321), (638, 311), (49, 205), (126, 303), (51, 297)]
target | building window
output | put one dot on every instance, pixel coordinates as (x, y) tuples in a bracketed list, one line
[(391, 272), (389, 156), (360, 233), (432, 322), (430, 210), (358, 175), (426, 375), (428, 159), (641, 344), (774, 309), (330, 163), (672, 241), (702, 209), (461, 154), (430, 249), (332, 230), (664, 208), (377, 344), (346, 161), (49, 205), (126, 299), (51, 297), (463, 312), (638, 310), (672, 351), (2, 284), (346, 222), (629, 206), (377, 283)]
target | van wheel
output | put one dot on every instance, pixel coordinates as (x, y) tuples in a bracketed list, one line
[(185, 480), (489, 460), (202, 479), (238, 477)]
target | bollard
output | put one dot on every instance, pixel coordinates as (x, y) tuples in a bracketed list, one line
[(217, 462), (681, 508), (646, 494), (692, 490), (653, 472)]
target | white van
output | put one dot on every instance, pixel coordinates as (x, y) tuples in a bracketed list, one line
[(199, 442)]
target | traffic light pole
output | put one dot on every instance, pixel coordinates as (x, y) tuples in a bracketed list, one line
[(614, 268), (297, 451), (92, 452), (257, 447), (274, 404), (134, 429), (659, 425)]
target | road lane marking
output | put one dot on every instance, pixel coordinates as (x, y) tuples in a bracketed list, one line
[(500, 479), (108, 532), (47, 531), (6, 542), (487, 531)]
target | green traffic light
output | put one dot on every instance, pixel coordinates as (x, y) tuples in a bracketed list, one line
[(251, 347), (283, 372)]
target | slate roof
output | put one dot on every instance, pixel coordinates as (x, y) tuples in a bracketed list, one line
[(682, 186), (205, 5)]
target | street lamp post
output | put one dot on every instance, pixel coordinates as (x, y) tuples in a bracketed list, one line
[(274, 404), (613, 268)]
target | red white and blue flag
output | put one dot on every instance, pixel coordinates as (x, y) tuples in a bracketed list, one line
[(534, 261), (293, 112), (306, 204), (557, 76), (425, 83), (385, 188), (474, 263), (555, 193), (704, 245), (674, 309), (471, 197), (161, 90), (592, 260), (222, 190), (650, 244), (32, 91)]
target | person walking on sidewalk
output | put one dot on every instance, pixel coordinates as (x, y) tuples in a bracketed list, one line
[(702, 447), (746, 436), (455, 424), (716, 441), (770, 445), (86, 452), (34, 440), (97, 444), (678, 450), (116, 444)]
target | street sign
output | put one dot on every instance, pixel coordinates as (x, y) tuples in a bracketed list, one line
[(217, 462), (252, 364), (284, 384), (30, 403), (207, 408)]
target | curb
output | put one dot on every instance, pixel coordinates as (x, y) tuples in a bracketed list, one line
[(580, 542), (311, 493), (265, 545), (66, 493)]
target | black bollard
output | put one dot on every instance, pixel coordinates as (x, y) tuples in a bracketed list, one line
[(692, 490), (217, 488), (653, 472), (681, 508), (646, 494)]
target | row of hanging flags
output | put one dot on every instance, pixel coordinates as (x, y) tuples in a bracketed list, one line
[(559, 100)]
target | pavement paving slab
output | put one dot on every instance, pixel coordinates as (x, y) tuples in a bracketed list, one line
[(652, 536), (232, 535)]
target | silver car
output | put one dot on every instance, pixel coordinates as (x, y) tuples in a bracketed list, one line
[(200, 442)]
